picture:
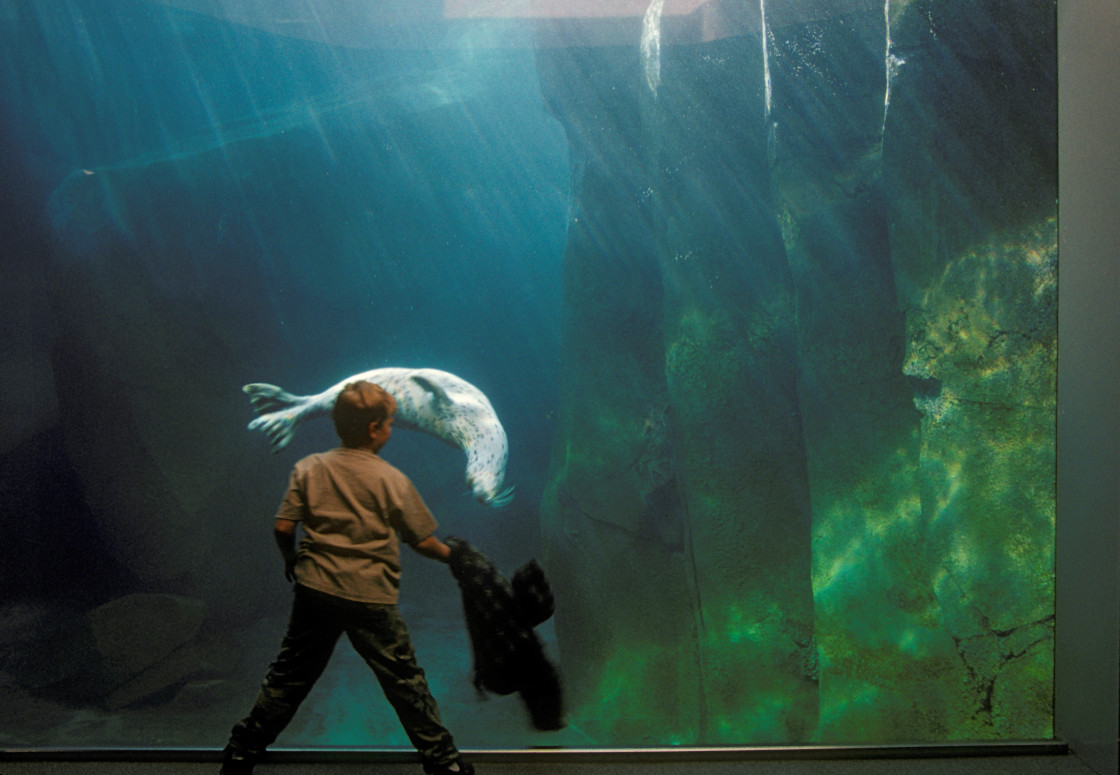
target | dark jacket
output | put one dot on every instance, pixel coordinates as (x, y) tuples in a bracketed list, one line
[(508, 656)]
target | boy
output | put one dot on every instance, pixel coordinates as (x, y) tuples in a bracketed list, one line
[(355, 509)]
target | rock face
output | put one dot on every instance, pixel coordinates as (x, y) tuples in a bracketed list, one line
[(829, 79), (803, 488), (133, 649), (678, 519), (615, 540), (970, 166)]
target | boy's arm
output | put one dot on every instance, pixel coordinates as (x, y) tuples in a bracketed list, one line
[(433, 548), (284, 531)]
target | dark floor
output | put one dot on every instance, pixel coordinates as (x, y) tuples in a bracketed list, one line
[(506, 764)]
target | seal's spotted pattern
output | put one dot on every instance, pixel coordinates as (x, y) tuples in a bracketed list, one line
[(429, 400)]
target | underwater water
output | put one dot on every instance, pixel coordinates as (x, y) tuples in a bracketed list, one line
[(763, 294)]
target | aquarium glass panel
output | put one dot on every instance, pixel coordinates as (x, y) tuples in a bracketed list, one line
[(736, 316)]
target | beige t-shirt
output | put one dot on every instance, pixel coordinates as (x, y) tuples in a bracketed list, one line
[(353, 506)]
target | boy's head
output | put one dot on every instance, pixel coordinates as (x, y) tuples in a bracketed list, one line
[(359, 406)]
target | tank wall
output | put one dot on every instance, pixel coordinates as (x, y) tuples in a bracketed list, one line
[(1088, 643)]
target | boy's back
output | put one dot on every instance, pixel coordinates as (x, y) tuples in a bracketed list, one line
[(355, 508)]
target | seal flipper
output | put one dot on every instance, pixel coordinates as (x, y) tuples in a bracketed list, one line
[(438, 393), (278, 426), (502, 499)]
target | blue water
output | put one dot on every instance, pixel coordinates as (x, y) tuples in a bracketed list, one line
[(371, 207), (280, 210)]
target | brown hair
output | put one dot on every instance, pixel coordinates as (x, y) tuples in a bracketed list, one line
[(359, 404)]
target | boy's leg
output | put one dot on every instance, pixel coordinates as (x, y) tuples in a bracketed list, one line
[(313, 631), (381, 638)]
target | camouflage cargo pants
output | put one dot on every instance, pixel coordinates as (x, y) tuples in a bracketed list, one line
[(379, 635)]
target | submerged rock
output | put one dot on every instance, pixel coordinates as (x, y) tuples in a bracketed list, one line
[(849, 328), (677, 522), (42, 647), (140, 647), (131, 634)]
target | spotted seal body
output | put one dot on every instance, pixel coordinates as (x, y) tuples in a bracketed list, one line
[(429, 400)]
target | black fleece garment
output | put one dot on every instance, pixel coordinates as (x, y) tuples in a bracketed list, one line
[(508, 655)]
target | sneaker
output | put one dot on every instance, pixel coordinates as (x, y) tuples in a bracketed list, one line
[(464, 768), (236, 763)]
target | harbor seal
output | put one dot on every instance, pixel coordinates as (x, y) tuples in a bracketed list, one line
[(429, 400)]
